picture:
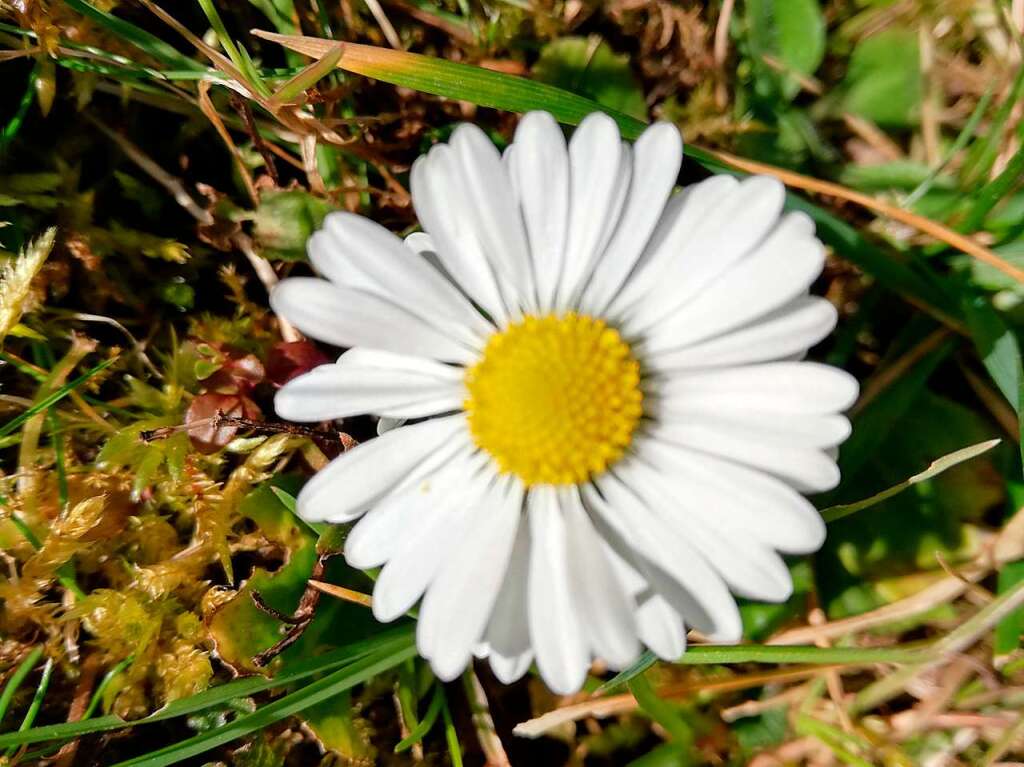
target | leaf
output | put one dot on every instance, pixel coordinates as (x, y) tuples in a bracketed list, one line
[(1011, 628), (790, 32), (284, 221), (453, 80), (883, 83), (936, 467), (589, 67)]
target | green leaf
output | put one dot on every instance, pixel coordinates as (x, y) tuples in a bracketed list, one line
[(284, 221), (140, 38), (790, 32), (453, 80), (883, 83), (936, 467), (1011, 628), (589, 67)]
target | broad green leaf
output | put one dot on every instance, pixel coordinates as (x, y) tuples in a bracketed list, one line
[(790, 33), (883, 83), (1011, 628), (589, 67)]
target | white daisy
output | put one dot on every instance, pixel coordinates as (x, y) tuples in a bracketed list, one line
[(612, 430)]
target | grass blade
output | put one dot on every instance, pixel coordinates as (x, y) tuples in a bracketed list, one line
[(215, 696), (23, 670), (452, 80), (936, 467), (146, 42), (54, 398), (317, 692)]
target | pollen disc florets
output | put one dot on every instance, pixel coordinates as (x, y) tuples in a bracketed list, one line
[(554, 399)]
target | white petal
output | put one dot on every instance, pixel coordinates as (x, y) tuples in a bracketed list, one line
[(751, 569), (360, 477), (727, 233), (778, 271), (348, 317), (458, 602), (791, 330), (494, 212), (662, 555), (539, 167), (779, 387), (418, 558), (508, 630), (605, 608), (390, 385), (599, 168), (444, 212), (807, 469), (735, 417), (555, 629), (682, 216), (750, 500), (356, 252), (403, 514), (657, 156), (661, 628)]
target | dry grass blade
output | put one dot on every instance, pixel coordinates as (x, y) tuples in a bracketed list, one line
[(932, 228)]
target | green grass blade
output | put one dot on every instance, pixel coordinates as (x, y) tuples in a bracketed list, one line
[(216, 696), (23, 670), (13, 125), (703, 655), (936, 467), (317, 692), (451, 736), (453, 80), (149, 43), (53, 398), (425, 724), (664, 714), (37, 700), (994, 191)]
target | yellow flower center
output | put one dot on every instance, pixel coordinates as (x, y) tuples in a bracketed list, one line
[(554, 399)]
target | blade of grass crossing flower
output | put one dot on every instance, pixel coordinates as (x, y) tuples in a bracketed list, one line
[(54, 398), (936, 467), (148, 43), (453, 80), (639, 666), (23, 670), (316, 692), (219, 695)]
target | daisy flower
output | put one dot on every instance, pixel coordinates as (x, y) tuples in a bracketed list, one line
[(605, 426)]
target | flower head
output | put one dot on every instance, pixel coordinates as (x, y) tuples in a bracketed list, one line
[(611, 428)]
